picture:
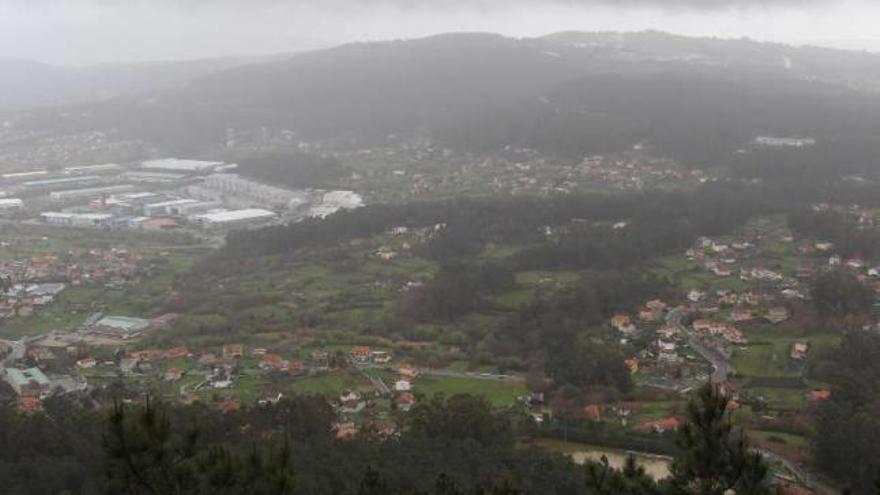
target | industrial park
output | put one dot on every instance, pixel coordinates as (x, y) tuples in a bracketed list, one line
[(159, 195)]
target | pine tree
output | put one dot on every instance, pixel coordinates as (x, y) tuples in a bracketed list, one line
[(602, 479), (373, 484), (713, 455), (146, 456)]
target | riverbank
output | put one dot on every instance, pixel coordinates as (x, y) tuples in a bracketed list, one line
[(656, 466)]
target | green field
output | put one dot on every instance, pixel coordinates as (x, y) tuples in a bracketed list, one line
[(331, 384), (779, 398), (781, 438), (658, 409), (768, 355), (497, 392), (686, 274)]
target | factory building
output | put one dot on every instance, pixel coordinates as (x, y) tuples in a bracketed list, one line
[(183, 166), (120, 327), (89, 192), (152, 177), (91, 169), (333, 201), (171, 207), (235, 189), (199, 207), (10, 205), (138, 199), (77, 219), (234, 218), (81, 180), (19, 176)]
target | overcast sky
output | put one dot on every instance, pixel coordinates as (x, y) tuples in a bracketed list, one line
[(92, 31)]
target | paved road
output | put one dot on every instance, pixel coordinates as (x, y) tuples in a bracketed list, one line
[(801, 475), (17, 351), (377, 382), (723, 369), (720, 365), (455, 374)]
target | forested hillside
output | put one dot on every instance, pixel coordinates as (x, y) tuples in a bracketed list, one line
[(695, 100)]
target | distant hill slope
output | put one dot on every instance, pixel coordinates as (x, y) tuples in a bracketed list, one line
[(569, 93), (24, 83), (856, 69)]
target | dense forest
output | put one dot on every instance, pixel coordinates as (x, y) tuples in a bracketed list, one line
[(292, 169), (466, 224), (849, 238), (445, 445), (846, 437)]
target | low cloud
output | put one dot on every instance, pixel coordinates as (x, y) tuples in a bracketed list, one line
[(90, 31)]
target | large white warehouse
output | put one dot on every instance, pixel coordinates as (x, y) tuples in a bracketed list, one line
[(234, 218)]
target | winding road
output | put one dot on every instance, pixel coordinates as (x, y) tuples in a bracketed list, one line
[(721, 371), (720, 365)]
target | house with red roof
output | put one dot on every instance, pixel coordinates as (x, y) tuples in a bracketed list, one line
[(820, 395), (405, 401), (228, 406), (661, 425), (593, 412), (362, 354), (407, 370)]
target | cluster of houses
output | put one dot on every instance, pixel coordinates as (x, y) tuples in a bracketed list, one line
[(217, 369), (405, 378), (719, 329), (517, 170), (627, 414), (739, 259), (113, 266), (713, 318), (401, 240), (35, 282), (351, 403), (25, 299), (635, 172), (662, 361)]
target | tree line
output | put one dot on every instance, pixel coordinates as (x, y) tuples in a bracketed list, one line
[(445, 445)]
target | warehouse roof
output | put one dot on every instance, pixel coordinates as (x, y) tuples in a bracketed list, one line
[(173, 202), (178, 164), (236, 215), (83, 216), (19, 377), (124, 323)]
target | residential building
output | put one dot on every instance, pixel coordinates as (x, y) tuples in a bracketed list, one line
[(31, 382), (407, 370), (405, 401), (362, 354), (232, 351), (777, 314), (799, 350)]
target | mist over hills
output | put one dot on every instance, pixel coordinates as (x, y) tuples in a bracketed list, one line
[(565, 93), (26, 83)]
